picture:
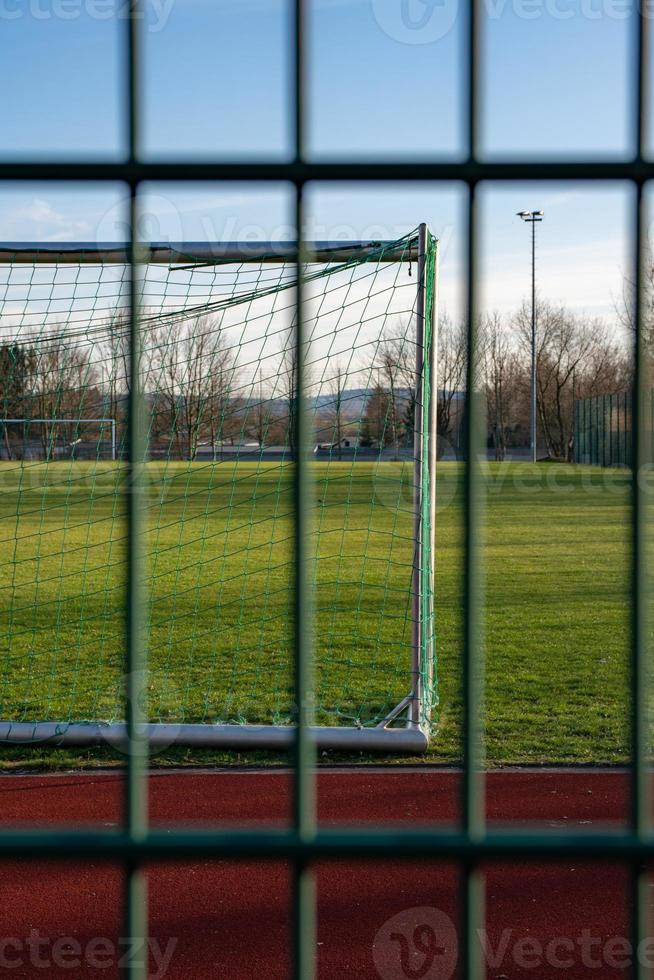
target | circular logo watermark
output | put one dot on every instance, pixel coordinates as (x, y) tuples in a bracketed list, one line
[(416, 21), (157, 695), (158, 219), (393, 482), (416, 944)]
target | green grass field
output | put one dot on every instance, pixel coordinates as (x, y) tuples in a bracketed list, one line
[(219, 539)]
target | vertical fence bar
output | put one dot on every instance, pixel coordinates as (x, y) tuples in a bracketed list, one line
[(136, 677), (611, 461), (474, 798), (304, 914), (591, 430), (598, 440), (591, 458), (641, 800), (596, 458), (304, 902), (626, 428), (474, 803), (617, 430), (581, 415), (474, 784), (640, 809), (136, 924), (598, 424), (640, 795)]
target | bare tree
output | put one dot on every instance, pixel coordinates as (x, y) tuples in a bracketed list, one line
[(62, 384), (188, 370), (452, 364), (287, 387), (334, 418), (258, 413), (396, 362), (502, 379), (115, 362), (626, 311), (17, 364), (570, 349), (221, 404), (374, 427)]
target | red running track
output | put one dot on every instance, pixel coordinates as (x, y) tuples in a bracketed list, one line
[(386, 920)]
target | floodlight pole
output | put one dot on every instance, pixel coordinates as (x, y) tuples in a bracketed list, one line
[(532, 217)]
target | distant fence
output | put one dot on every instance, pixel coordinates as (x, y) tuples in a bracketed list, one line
[(602, 429)]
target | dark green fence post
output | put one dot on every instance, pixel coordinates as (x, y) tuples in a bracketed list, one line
[(611, 457)]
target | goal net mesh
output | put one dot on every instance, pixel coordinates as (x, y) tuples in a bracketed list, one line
[(218, 375)]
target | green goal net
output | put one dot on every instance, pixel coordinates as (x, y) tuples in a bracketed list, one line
[(218, 373)]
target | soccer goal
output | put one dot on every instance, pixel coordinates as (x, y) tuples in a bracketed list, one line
[(55, 438), (218, 374)]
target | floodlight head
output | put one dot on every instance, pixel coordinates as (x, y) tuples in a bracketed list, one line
[(530, 215)]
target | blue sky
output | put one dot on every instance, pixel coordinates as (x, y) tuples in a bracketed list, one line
[(216, 81)]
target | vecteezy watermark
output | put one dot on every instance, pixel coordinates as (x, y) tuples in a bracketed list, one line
[(97, 953), (586, 951), (154, 14), (421, 944), (427, 21)]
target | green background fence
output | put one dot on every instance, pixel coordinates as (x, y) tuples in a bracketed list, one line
[(602, 430)]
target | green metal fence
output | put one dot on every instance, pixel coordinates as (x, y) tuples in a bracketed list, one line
[(471, 843), (602, 430)]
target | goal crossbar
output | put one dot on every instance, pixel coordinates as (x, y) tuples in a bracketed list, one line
[(168, 253)]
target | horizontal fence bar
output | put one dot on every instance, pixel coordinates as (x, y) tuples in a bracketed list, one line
[(170, 253), (467, 171), (368, 844)]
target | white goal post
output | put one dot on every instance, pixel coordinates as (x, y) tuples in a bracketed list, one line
[(229, 309)]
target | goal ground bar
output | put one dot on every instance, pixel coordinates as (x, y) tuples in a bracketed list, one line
[(411, 739)]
